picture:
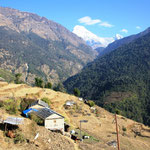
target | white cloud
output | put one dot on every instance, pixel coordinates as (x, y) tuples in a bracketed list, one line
[(124, 30), (106, 24), (88, 21), (138, 27)]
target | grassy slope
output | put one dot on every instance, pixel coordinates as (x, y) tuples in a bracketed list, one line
[(8, 76), (101, 127)]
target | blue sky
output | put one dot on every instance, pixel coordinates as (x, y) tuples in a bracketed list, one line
[(104, 18)]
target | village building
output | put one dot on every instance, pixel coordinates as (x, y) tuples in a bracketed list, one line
[(38, 104), (52, 120)]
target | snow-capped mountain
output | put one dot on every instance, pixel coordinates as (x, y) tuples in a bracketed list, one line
[(93, 40), (118, 37)]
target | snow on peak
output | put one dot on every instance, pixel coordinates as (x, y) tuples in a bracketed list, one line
[(91, 39), (118, 37)]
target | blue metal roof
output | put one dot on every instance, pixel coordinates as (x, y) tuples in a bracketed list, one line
[(28, 110)]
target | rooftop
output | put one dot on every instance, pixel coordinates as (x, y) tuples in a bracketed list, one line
[(39, 102), (14, 120), (45, 112)]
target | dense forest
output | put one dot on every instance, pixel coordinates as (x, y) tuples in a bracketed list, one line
[(119, 81)]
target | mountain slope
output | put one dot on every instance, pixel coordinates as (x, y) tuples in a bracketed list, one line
[(119, 80), (36, 46), (119, 42)]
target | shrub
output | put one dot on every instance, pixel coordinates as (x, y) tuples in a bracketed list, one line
[(46, 100), (117, 111), (11, 106), (60, 87), (48, 85), (25, 103), (124, 129), (37, 119), (76, 92), (39, 82), (91, 103), (19, 138), (17, 78), (1, 104)]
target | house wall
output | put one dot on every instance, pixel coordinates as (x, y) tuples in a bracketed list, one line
[(55, 124)]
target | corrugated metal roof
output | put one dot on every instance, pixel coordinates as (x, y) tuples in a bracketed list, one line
[(14, 120), (40, 102), (46, 112)]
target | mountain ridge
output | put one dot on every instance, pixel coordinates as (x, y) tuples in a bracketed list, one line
[(92, 39), (116, 44), (47, 48)]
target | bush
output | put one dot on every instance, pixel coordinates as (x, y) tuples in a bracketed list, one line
[(37, 119), (11, 106), (76, 92), (48, 85), (124, 129), (60, 87), (17, 78), (117, 111), (25, 103), (39, 82), (19, 138), (1, 104), (91, 103), (46, 100)]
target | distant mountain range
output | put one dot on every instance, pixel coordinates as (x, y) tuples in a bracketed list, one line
[(116, 44), (93, 40), (36, 46), (120, 80)]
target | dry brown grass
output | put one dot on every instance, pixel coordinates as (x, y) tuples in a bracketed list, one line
[(101, 127)]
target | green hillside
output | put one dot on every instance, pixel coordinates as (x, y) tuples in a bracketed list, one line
[(119, 81), (8, 76)]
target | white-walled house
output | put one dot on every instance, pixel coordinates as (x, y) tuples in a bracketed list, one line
[(52, 120)]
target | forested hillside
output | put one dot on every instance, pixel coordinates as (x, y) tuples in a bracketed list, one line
[(119, 81), (116, 44)]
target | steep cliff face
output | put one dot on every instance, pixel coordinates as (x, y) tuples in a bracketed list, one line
[(36, 46)]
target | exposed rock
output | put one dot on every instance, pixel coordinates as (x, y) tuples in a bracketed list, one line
[(49, 49)]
